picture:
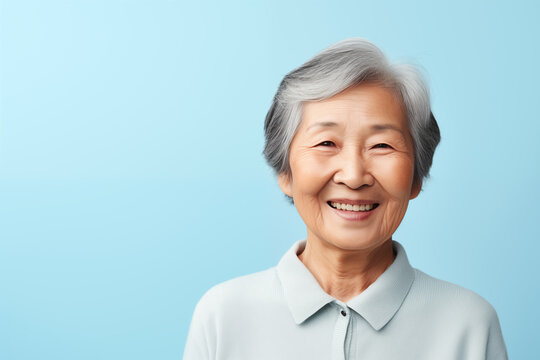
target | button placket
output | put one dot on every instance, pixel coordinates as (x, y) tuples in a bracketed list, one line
[(340, 332)]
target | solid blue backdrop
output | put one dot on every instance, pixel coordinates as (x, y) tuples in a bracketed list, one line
[(131, 174)]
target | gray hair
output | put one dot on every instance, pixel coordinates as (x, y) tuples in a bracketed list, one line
[(345, 64)]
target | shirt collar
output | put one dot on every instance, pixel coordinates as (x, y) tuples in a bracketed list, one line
[(377, 304)]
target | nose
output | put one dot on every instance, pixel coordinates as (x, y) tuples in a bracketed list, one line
[(352, 169)]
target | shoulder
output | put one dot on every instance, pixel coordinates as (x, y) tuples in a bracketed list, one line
[(463, 317), (454, 301), (240, 292), (221, 308)]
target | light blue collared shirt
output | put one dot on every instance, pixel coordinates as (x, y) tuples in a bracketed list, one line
[(283, 313)]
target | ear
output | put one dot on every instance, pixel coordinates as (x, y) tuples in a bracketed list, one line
[(415, 190), (285, 184)]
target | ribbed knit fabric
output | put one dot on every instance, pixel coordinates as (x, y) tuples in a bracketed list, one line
[(283, 313)]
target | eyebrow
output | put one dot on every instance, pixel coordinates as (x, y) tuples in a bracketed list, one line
[(374, 128), (323, 124), (383, 127)]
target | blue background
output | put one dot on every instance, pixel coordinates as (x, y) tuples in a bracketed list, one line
[(131, 174)]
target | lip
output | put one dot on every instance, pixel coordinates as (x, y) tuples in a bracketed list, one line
[(353, 202), (353, 215)]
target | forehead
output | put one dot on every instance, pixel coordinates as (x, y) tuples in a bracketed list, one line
[(362, 105)]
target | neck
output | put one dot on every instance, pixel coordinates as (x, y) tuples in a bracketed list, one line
[(343, 274)]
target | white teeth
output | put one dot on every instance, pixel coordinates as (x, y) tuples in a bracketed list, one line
[(350, 207)]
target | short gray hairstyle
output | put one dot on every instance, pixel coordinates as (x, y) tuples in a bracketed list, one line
[(345, 64)]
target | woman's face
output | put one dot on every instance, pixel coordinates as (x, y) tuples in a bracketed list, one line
[(352, 166)]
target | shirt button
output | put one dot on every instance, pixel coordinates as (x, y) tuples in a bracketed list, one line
[(343, 313)]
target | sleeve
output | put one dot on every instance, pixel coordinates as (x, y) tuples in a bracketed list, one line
[(495, 347), (202, 335)]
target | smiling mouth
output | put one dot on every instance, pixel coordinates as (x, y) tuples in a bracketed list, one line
[(350, 207)]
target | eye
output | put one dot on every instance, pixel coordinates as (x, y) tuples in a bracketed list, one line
[(326, 143), (382, 146)]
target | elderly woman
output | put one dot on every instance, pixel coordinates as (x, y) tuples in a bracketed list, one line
[(351, 139)]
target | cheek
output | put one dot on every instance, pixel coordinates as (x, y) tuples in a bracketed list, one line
[(310, 175), (396, 175)]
